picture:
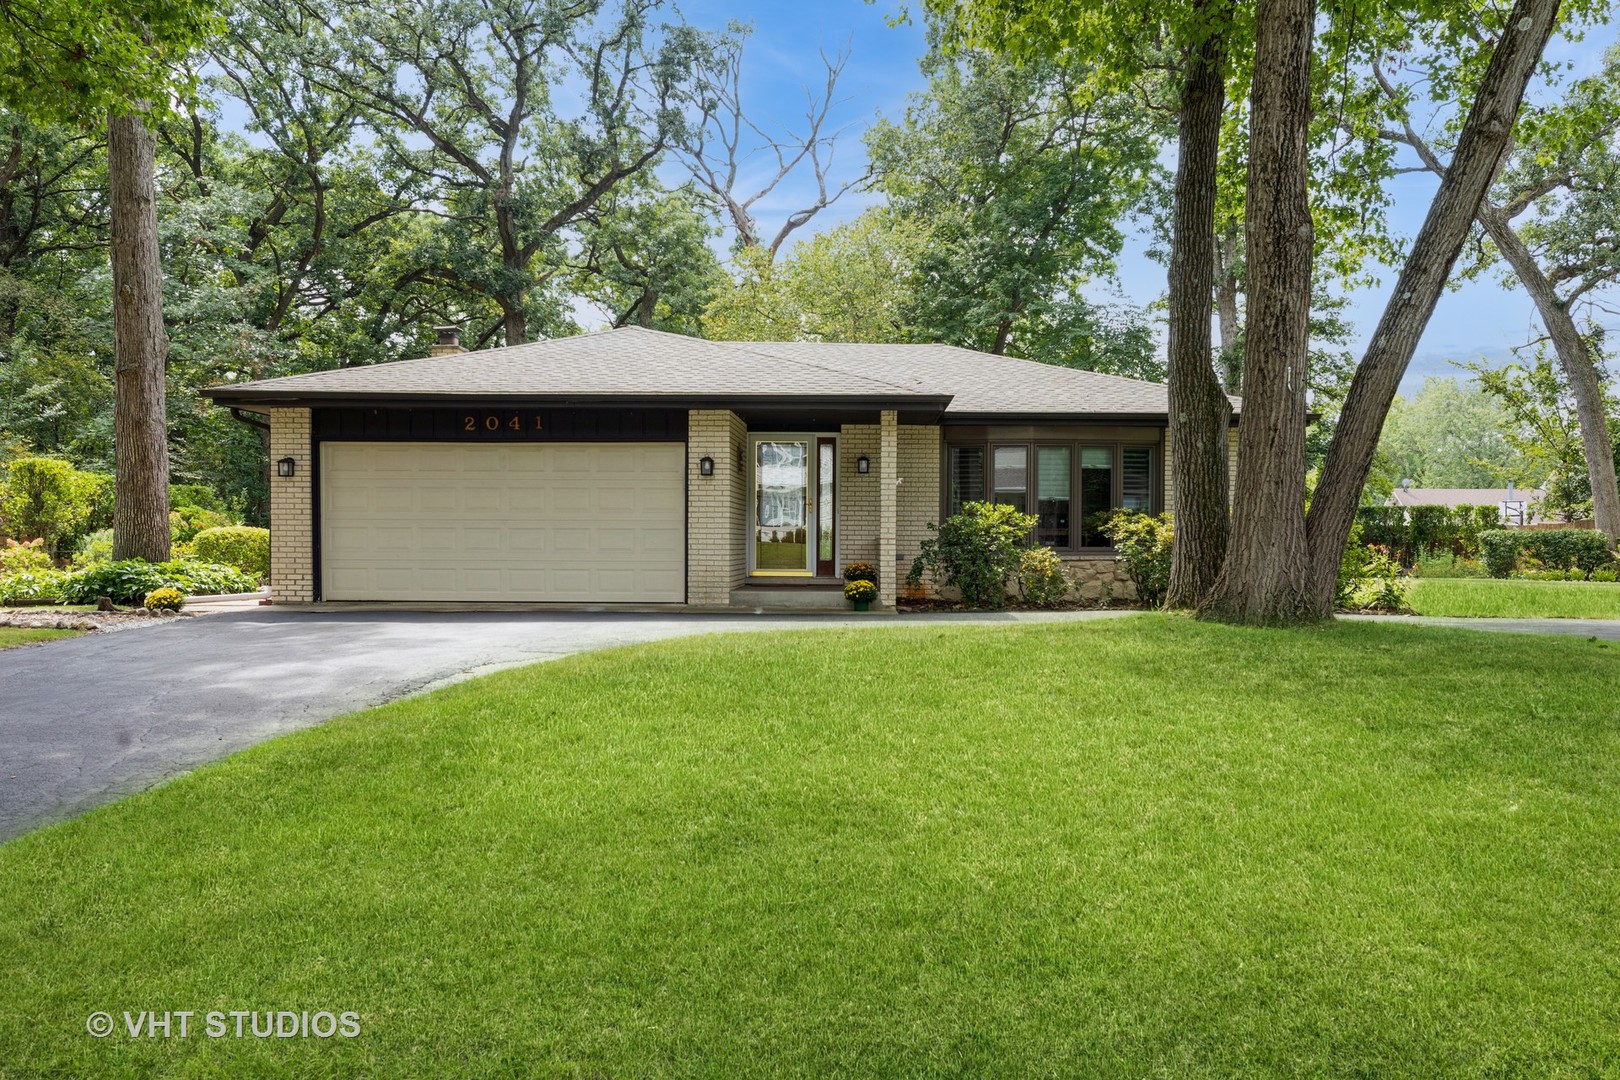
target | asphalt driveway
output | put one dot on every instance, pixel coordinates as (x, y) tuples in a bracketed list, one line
[(88, 720)]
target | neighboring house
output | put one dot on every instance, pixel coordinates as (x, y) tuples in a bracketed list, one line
[(633, 466), (1518, 506)]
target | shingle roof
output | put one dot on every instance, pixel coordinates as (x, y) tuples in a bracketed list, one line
[(640, 364)]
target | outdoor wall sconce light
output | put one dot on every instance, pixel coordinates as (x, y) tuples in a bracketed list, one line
[(863, 464), (706, 466), (286, 467)]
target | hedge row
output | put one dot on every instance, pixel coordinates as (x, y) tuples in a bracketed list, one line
[(1510, 550), (1410, 531)]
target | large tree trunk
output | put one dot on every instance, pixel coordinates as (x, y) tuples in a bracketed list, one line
[(1576, 358), (1199, 412), (140, 348), (1266, 576), (1480, 146)]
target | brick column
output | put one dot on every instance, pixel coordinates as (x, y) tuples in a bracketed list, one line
[(292, 509), (716, 507), (888, 473)]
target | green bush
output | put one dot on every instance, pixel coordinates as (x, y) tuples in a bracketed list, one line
[(1370, 580), (1410, 533), (1510, 550), (1606, 575), (1144, 544), (185, 522), (1500, 548), (125, 582), (17, 558), (129, 581), (242, 546), (94, 548), (197, 578), (1041, 580), (41, 585), (976, 551), (167, 598), (50, 499)]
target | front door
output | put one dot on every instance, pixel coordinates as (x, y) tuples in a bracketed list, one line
[(792, 520)]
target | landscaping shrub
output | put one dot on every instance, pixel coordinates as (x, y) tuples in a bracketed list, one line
[(1565, 549), (41, 585), (17, 557), (94, 548), (167, 598), (976, 551), (1508, 550), (129, 581), (50, 499), (1409, 533), (185, 522), (1370, 579), (1606, 574), (860, 571), (248, 548), (1500, 549), (197, 578), (1041, 580), (1383, 526), (1143, 543), (125, 582)]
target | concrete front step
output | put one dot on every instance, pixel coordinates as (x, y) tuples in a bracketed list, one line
[(790, 598)]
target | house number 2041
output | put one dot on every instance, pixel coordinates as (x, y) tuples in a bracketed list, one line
[(498, 423)]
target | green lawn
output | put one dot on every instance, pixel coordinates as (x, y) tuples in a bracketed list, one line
[(1125, 848), (1513, 598), (12, 636)]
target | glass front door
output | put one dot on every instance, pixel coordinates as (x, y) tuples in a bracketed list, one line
[(792, 526)]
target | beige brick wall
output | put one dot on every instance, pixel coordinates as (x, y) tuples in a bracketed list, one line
[(888, 503), (918, 494), (858, 496), (716, 506), (292, 516)]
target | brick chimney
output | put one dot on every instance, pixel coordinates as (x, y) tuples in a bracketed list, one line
[(449, 342)]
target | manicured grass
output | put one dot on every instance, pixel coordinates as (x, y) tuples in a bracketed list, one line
[(12, 636), (1129, 848), (1514, 598)]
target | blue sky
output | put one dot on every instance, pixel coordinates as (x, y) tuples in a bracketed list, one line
[(1479, 319)]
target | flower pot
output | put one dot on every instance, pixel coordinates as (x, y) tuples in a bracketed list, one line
[(862, 605)]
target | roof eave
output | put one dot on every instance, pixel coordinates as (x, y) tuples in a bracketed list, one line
[(242, 398)]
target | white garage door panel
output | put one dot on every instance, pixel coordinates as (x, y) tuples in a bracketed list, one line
[(571, 522)]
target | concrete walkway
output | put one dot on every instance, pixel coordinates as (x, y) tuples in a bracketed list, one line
[(88, 720)]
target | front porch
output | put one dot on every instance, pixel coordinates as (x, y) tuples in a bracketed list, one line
[(881, 506)]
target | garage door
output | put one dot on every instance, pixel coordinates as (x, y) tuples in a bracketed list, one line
[(579, 522)]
